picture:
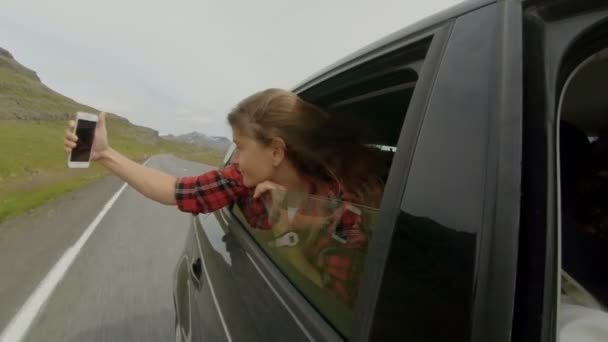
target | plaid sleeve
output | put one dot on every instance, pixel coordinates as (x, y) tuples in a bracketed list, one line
[(210, 191)]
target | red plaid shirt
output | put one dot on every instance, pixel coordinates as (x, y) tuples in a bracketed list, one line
[(217, 189)]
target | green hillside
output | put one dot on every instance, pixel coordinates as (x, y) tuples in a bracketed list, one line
[(32, 122)]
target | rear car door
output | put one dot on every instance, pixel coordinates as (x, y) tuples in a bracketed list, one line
[(389, 80), (253, 293)]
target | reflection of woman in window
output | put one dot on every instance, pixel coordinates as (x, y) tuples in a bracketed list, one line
[(320, 238)]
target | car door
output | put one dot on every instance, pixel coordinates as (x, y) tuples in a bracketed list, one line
[(187, 286)]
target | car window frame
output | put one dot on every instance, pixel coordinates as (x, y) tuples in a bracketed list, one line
[(311, 321), (497, 255), (378, 250)]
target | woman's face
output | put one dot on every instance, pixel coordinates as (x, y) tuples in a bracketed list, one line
[(253, 160)]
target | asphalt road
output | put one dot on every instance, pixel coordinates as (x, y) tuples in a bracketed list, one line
[(119, 286)]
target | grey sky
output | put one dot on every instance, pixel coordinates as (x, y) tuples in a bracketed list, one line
[(179, 66)]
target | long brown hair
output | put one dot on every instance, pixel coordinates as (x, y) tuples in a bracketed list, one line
[(321, 147)]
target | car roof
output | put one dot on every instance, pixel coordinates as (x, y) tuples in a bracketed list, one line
[(435, 19)]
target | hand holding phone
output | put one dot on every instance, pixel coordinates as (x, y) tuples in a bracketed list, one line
[(85, 139)]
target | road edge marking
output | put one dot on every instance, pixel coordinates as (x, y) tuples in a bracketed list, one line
[(19, 325)]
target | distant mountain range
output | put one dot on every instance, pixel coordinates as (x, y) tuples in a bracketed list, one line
[(217, 143)]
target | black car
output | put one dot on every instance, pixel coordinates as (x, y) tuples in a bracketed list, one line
[(477, 110)]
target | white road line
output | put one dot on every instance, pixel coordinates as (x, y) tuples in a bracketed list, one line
[(16, 330)]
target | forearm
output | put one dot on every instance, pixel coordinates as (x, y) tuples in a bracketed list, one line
[(151, 183)]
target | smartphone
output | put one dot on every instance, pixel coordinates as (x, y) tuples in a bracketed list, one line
[(80, 157)]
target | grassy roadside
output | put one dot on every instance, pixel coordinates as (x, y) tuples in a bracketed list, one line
[(33, 164), (13, 204)]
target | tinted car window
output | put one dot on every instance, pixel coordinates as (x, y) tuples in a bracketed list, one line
[(428, 279)]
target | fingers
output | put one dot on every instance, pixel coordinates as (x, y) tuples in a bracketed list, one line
[(69, 134), (68, 144), (266, 186), (259, 190), (69, 141)]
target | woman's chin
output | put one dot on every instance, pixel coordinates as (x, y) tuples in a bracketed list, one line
[(250, 183), (247, 182)]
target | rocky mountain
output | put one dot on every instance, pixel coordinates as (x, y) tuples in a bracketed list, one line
[(8, 61), (215, 142), (23, 96)]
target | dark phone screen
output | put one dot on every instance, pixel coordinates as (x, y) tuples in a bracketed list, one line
[(85, 130)]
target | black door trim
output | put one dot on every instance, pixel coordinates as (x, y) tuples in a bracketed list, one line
[(379, 247)]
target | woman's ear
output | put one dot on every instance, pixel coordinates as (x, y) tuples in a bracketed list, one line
[(278, 151)]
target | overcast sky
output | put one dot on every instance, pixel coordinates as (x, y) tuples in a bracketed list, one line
[(179, 66)]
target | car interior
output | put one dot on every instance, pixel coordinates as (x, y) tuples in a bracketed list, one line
[(584, 177), (374, 97)]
